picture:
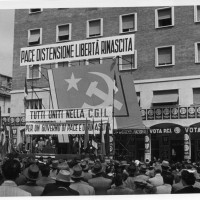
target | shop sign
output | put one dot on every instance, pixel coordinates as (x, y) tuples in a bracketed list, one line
[(166, 113), (191, 112), (78, 50), (192, 129), (174, 113), (175, 130), (183, 112), (131, 131)]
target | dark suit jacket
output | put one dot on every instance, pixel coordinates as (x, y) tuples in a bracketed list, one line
[(54, 189), (100, 184), (188, 189)]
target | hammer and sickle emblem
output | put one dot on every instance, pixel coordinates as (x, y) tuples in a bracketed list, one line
[(93, 90)]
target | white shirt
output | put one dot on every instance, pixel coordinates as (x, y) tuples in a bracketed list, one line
[(157, 180), (164, 189), (9, 188)]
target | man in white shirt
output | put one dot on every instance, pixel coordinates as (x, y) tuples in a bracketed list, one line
[(157, 180), (11, 170)]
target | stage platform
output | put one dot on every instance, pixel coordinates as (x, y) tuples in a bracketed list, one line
[(55, 156)]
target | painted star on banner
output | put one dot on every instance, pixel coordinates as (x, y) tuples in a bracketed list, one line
[(72, 82)]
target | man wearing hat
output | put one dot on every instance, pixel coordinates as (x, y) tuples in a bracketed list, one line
[(45, 179), (100, 184), (142, 173), (119, 188), (165, 167), (79, 185), (54, 169), (61, 187), (85, 168), (32, 173), (140, 186)]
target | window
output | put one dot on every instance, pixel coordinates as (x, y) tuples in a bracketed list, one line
[(128, 23), (34, 104), (128, 62), (165, 97), (63, 64), (35, 36), (196, 13), (95, 28), (197, 52), (34, 72), (196, 96), (164, 17), (94, 61), (63, 32), (165, 56), (8, 110), (35, 10)]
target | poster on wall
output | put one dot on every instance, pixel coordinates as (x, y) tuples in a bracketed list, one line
[(158, 113), (198, 112), (191, 112), (150, 114), (166, 113), (174, 113), (144, 114), (183, 113)]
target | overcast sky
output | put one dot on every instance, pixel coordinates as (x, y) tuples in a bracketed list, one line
[(6, 41)]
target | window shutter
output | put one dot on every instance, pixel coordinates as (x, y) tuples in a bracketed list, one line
[(164, 14), (198, 13), (94, 28), (128, 22), (63, 30), (34, 36), (196, 95), (165, 56)]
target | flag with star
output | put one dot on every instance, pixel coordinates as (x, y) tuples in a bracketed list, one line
[(92, 86)]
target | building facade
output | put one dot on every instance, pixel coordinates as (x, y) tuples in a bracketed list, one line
[(165, 67)]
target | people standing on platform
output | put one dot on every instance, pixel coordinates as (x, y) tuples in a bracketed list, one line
[(40, 145), (34, 148)]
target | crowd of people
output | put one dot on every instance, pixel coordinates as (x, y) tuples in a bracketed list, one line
[(51, 177)]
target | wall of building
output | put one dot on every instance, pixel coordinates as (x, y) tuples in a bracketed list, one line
[(183, 35)]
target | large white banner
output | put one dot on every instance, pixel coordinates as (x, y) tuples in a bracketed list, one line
[(68, 121), (78, 50)]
